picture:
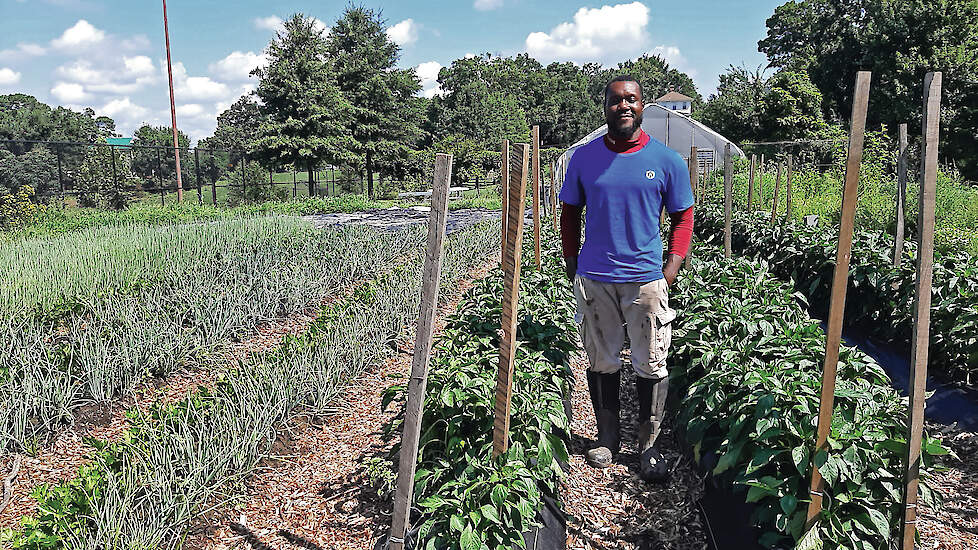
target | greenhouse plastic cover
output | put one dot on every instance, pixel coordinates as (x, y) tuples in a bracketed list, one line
[(677, 131)]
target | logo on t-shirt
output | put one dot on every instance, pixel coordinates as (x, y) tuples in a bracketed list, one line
[(650, 174)]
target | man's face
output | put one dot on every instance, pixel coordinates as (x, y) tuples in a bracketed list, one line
[(623, 109)]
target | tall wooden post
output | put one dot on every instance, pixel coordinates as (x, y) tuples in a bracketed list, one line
[(921, 323), (901, 195), (173, 109), (553, 194), (537, 185), (787, 207), (760, 184), (727, 201), (518, 168), (750, 183), (422, 351), (840, 281), (504, 191), (777, 191)]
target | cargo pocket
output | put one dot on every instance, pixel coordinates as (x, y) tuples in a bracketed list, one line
[(662, 336)]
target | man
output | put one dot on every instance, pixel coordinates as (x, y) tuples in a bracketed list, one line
[(622, 181)]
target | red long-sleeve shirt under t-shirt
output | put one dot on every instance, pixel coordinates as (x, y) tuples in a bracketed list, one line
[(680, 235)]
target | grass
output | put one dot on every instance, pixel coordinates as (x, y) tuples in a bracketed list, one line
[(820, 193), (87, 315)]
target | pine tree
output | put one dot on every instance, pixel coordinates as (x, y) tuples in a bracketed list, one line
[(385, 112), (304, 113)]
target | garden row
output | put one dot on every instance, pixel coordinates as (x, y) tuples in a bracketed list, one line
[(467, 498), (748, 359), (179, 462), (880, 297), (89, 315)]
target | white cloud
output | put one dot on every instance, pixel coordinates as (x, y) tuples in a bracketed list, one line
[(194, 88), (428, 73), (69, 92), (469, 55), (605, 34), (486, 5), (674, 58), (117, 76), (191, 110), (404, 33), (8, 76), (139, 65), (237, 66), (123, 108), (79, 35), (271, 23), (23, 50)]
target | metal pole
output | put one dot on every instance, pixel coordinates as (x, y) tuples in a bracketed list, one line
[(295, 185), (61, 174), (173, 109), (244, 168), (200, 192), (901, 196), (159, 178), (213, 180), (115, 177)]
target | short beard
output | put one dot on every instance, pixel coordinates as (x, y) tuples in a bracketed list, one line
[(627, 132)]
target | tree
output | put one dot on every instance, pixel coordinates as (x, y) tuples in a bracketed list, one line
[(304, 114), (153, 157), (37, 169), (385, 114), (735, 109), (899, 40), (791, 108), (238, 125), (653, 73), (104, 181)]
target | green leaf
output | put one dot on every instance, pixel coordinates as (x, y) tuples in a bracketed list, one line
[(456, 523), (490, 513), (788, 504), (801, 458), (470, 540)]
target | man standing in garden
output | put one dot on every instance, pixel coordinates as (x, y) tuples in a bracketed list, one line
[(621, 182)]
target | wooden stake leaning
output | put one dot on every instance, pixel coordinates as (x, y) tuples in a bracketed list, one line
[(922, 301), (422, 352), (504, 191), (777, 191), (512, 255), (727, 201), (840, 281), (553, 195), (537, 185), (750, 183), (901, 195)]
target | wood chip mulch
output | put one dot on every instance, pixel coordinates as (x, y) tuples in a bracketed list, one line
[(955, 525), (319, 496), (614, 508)]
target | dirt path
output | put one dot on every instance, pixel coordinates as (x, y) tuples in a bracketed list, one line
[(614, 508)]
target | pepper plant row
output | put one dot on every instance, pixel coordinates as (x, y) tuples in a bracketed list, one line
[(749, 359), (179, 461), (468, 499), (880, 297)]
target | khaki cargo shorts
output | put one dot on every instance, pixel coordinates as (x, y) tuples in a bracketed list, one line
[(605, 311)]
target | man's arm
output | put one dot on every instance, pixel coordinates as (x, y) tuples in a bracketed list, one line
[(680, 236), (570, 237)]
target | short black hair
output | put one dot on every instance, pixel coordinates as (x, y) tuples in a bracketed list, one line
[(623, 78)]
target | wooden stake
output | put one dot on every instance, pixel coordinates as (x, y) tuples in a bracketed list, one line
[(422, 351), (777, 191), (750, 183), (504, 185), (536, 195), (553, 195), (727, 201), (901, 195), (518, 168), (840, 281), (760, 185), (921, 323), (787, 208)]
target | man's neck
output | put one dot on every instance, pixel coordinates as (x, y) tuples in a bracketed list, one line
[(615, 139), (621, 145)]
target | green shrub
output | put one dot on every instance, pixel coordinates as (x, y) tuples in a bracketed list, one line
[(18, 209)]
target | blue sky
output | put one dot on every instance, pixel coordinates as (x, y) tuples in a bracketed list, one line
[(109, 54)]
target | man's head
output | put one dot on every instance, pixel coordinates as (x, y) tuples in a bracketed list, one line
[(623, 107)]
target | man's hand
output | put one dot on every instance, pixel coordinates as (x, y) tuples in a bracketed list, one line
[(671, 270), (570, 267)]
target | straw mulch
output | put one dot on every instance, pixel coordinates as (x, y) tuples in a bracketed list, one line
[(954, 526)]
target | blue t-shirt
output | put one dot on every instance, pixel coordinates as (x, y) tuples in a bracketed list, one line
[(623, 195)]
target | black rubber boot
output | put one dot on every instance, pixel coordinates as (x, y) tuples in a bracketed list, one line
[(604, 390), (651, 408)]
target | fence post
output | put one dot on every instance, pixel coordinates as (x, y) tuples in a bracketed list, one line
[(518, 168), (901, 195), (922, 302), (750, 183), (159, 167), (200, 192), (244, 168), (61, 174), (536, 194), (213, 181), (777, 191), (422, 352), (760, 184), (840, 281), (504, 193), (553, 193), (787, 208), (115, 175), (295, 184), (727, 201)]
